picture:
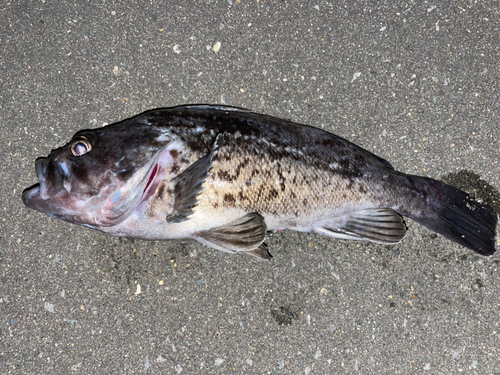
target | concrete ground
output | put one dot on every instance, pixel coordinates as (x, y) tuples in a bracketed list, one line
[(416, 82)]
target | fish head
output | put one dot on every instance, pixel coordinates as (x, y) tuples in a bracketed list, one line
[(100, 176)]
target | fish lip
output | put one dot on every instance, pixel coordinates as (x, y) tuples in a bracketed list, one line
[(29, 194), (49, 189), (41, 170)]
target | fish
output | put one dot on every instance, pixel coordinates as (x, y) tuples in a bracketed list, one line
[(230, 178)]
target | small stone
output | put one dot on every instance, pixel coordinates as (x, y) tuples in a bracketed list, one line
[(76, 367), (355, 76), (147, 364), (49, 307), (318, 354)]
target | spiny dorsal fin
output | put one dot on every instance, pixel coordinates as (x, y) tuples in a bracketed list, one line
[(246, 233), (188, 185)]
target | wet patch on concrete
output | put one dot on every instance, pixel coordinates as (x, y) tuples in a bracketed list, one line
[(285, 315), (123, 264), (287, 304), (473, 184), (129, 261)]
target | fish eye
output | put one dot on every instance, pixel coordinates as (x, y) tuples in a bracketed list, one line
[(81, 146)]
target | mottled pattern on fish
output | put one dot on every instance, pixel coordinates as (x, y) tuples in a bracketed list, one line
[(283, 169), (224, 176)]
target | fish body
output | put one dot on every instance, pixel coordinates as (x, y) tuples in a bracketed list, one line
[(226, 177)]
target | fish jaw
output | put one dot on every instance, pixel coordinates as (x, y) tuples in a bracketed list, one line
[(32, 197)]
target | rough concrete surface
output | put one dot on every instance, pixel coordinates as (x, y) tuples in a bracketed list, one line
[(416, 82)]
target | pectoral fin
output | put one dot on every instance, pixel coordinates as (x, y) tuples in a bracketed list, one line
[(245, 234), (189, 184), (380, 225), (261, 253)]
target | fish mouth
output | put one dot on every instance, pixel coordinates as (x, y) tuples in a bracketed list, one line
[(53, 186), (41, 170), (30, 194), (59, 179), (37, 192)]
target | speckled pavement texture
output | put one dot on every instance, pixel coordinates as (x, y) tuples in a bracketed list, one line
[(416, 82)]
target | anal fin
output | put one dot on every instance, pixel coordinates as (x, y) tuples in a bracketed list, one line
[(189, 184), (246, 234), (380, 225)]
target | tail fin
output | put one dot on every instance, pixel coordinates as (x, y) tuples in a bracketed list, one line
[(455, 215)]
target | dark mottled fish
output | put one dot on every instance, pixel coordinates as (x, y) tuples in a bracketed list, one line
[(226, 177)]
